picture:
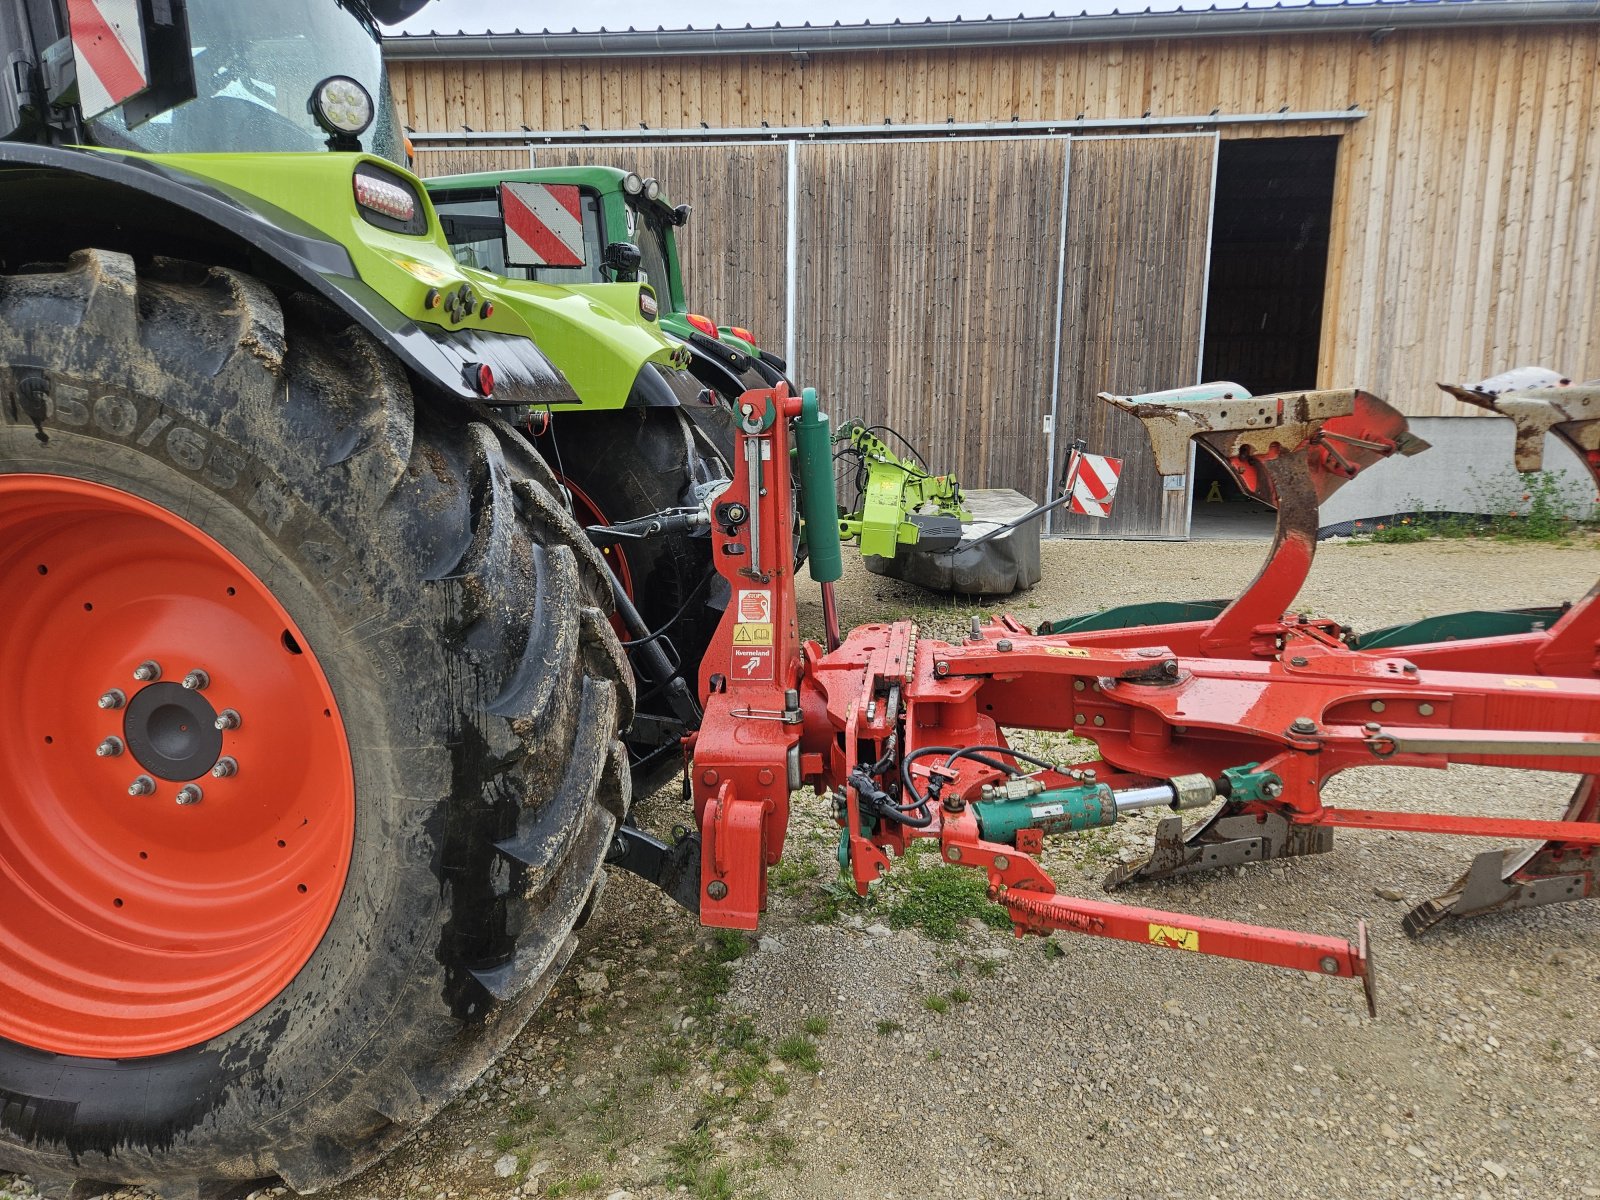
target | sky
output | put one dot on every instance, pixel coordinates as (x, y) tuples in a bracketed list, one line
[(502, 16)]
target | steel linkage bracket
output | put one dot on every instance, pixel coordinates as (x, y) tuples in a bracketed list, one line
[(675, 869), (1540, 401)]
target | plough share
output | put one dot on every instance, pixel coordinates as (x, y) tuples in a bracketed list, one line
[(905, 734)]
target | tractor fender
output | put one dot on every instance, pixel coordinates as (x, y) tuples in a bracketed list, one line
[(658, 385), (58, 200)]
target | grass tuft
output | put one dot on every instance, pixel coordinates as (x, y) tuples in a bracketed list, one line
[(578, 1185), (937, 899), (799, 1051)]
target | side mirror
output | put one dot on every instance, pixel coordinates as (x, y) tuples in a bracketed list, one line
[(543, 224), (680, 215), (622, 258)]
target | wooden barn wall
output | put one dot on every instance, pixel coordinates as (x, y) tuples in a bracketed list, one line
[(1465, 239), (922, 267), (1138, 223), (466, 160), (732, 248)]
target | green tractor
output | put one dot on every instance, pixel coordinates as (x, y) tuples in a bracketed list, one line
[(628, 232), (312, 732), (619, 227)]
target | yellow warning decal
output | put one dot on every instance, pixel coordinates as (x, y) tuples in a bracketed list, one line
[(1546, 685), (752, 635), (1174, 936), (1067, 651)]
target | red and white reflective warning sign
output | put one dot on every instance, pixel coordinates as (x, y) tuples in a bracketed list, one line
[(544, 224), (108, 43), (1094, 484)]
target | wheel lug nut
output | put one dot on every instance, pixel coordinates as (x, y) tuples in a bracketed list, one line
[(147, 671), (190, 794), (227, 719), (109, 748), (225, 766), (197, 680), (112, 699), (142, 786)]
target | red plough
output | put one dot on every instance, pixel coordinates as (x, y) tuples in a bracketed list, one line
[(905, 735)]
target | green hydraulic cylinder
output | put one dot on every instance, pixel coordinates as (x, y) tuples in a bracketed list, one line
[(818, 505), (1062, 810)]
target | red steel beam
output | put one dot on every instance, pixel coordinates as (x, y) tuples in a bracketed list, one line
[(1037, 913), (1585, 832)]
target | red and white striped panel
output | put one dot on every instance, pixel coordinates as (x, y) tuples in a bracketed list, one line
[(1095, 486), (544, 224), (108, 43)]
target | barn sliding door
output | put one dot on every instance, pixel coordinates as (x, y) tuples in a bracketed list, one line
[(1133, 310), (926, 276)]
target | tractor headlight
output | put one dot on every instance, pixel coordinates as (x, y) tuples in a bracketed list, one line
[(342, 106), (652, 189), (632, 184)]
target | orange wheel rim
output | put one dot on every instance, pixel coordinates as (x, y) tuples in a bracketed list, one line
[(137, 918), (587, 513)]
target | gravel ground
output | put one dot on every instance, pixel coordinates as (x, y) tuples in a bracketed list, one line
[(848, 1052)]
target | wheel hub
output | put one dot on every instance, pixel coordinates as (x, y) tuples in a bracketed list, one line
[(172, 732)]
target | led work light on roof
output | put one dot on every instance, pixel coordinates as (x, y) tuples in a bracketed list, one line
[(632, 184), (342, 106)]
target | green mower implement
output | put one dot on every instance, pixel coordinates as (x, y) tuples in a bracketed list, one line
[(898, 503)]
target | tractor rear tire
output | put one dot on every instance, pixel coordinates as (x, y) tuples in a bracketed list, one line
[(630, 463), (287, 973)]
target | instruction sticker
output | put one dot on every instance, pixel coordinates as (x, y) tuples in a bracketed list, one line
[(752, 635), (1067, 651), (1174, 936), (1546, 685), (752, 662), (755, 606)]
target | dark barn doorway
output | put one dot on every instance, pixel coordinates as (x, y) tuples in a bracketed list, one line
[(1269, 256)]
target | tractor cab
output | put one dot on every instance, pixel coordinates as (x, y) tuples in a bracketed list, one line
[(202, 76)]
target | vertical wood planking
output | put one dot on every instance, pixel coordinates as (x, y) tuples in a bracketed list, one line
[(1138, 212), (918, 265)]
